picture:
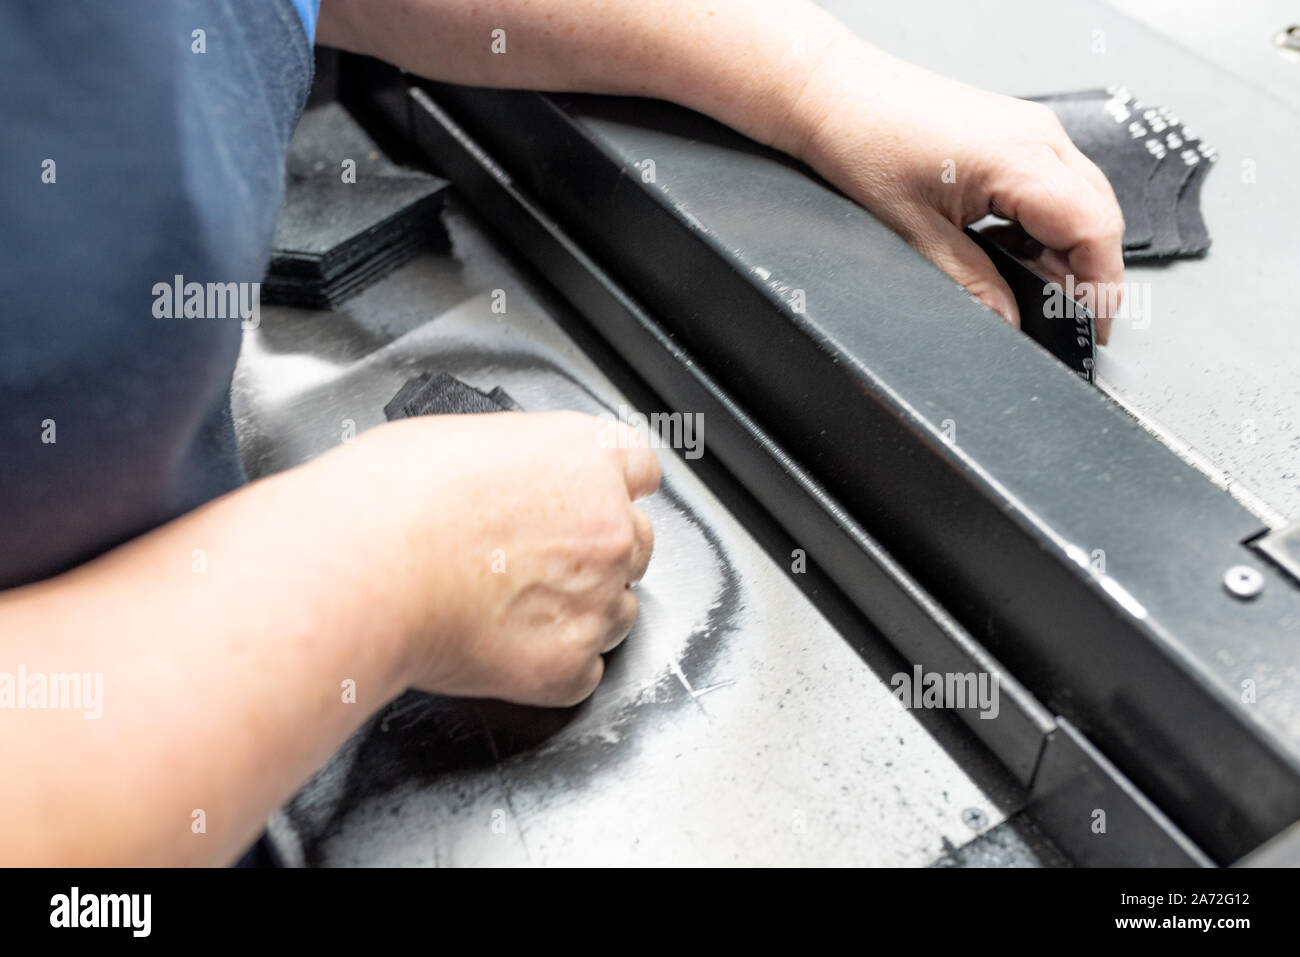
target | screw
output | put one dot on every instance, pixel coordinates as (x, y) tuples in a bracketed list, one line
[(1243, 581), (975, 819)]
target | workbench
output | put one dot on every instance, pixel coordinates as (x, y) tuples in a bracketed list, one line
[(751, 717)]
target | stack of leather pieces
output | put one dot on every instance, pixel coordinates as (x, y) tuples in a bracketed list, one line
[(1154, 162), (350, 215)]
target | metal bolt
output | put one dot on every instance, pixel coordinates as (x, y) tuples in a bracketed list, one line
[(1243, 581), (975, 819)]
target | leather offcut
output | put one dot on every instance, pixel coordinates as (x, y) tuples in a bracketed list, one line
[(1153, 162), (444, 394)]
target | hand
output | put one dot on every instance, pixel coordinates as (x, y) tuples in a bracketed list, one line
[(886, 132), (516, 546)]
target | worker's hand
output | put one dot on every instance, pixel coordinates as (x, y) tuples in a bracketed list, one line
[(517, 544), (928, 156)]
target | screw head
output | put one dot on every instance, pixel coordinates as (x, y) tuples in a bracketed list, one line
[(1242, 581), (975, 819)]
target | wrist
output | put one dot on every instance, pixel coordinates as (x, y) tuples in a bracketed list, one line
[(348, 578), (852, 95), (810, 101), (402, 556)]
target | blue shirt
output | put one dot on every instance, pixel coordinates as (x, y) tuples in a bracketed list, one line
[(308, 11), (139, 141)]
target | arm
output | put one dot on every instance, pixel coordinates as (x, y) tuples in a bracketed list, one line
[(222, 683), (787, 74)]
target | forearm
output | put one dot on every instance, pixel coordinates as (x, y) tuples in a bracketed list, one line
[(751, 64), (224, 640), (926, 155)]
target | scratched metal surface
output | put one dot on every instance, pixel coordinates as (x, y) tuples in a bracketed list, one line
[(1214, 369), (735, 726)]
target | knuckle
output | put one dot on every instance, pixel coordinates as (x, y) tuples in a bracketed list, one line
[(579, 683), (1101, 231), (654, 468), (1036, 157), (626, 614), (632, 438), (1112, 222), (614, 540), (1044, 118), (562, 671)]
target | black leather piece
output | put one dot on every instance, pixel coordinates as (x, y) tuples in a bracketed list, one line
[(1191, 225), (334, 238), (1167, 142), (503, 399), (1162, 213), (444, 394), (1066, 333)]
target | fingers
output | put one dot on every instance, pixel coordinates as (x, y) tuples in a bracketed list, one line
[(1060, 206), (1090, 171), (1063, 211), (623, 619), (640, 465), (1047, 263), (641, 469), (1054, 135), (581, 687), (1097, 179), (625, 603), (642, 547), (957, 254)]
